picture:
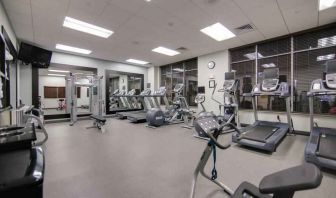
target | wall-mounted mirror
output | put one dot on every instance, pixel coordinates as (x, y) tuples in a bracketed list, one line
[(54, 91), (119, 84)]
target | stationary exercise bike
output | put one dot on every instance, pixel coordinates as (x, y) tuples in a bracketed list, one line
[(173, 115), (282, 184)]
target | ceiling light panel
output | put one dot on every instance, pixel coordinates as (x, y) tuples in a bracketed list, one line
[(61, 71), (58, 75), (72, 49), (218, 32), (86, 27), (325, 57), (165, 51), (140, 62), (325, 4)]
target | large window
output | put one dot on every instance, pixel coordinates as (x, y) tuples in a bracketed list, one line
[(182, 72), (304, 54), (311, 52)]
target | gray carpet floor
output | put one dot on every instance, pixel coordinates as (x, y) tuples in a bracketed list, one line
[(133, 161)]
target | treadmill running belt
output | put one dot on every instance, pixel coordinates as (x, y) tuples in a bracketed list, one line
[(327, 147), (260, 133)]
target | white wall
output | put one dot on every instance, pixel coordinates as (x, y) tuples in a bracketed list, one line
[(51, 81), (25, 82), (153, 78), (301, 121), (101, 65), (204, 74)]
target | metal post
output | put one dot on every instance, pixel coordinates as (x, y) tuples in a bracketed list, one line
[(292, 74), (311, 112), (289, 119)]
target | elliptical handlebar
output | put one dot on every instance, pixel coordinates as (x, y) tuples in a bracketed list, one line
[(214, 140)]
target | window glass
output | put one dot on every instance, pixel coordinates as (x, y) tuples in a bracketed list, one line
[(243, 54), (245, 72), (191, 86), (308, 66), (280, 46), (181, 72), (316, 39)]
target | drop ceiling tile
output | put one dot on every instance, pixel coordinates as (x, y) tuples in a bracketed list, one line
[(327, 16), (299, 14), (265, 15), (223, 11)]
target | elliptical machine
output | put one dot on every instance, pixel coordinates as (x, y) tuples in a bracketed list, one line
[(229, 106), (173, 115)]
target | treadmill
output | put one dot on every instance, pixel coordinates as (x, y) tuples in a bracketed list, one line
[(266, 135), (145, 92), (141, 117), (321, 147), (129, 102)]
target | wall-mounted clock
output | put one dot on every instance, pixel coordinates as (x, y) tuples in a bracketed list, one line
[(211, 64)]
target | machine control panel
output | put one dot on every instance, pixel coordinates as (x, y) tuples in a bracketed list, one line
[(208, 124)]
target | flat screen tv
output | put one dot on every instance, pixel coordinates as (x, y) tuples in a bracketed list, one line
[(37, 56)]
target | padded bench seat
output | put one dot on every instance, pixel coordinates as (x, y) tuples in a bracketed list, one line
[(98, 118)]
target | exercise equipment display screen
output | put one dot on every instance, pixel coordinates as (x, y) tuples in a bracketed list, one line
[(201, 90), (271, 73), (229, 76)]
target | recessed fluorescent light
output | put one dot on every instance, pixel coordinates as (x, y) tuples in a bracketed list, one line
[(326, 41), (325, 57), (61, 71), (252, 56), (325, 4), (269, 65), (165, 51), (218, 32), (137, 61), (86, 27), (72, 49), (60, 75), (178, 70)]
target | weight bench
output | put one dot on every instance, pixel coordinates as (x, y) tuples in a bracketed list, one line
[(99, 122)]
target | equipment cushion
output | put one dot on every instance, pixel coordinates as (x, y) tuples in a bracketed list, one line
[(247, 188), (306, 176), (98, 118)]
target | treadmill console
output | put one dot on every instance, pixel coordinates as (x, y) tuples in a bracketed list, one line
[(331, 74), (161, 91), (229, 80), (200, 98), (178, 88), (115, 92), (208, 124), (131, 92), (270, 79), (146, 92)]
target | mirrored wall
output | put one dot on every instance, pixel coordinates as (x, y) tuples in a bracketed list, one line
[(53, 91), (120, 83)]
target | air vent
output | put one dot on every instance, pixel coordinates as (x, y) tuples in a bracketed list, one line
[(244, 28), (181, 49)]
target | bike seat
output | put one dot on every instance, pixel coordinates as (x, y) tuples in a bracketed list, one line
[(306, 176), (247, 188)]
